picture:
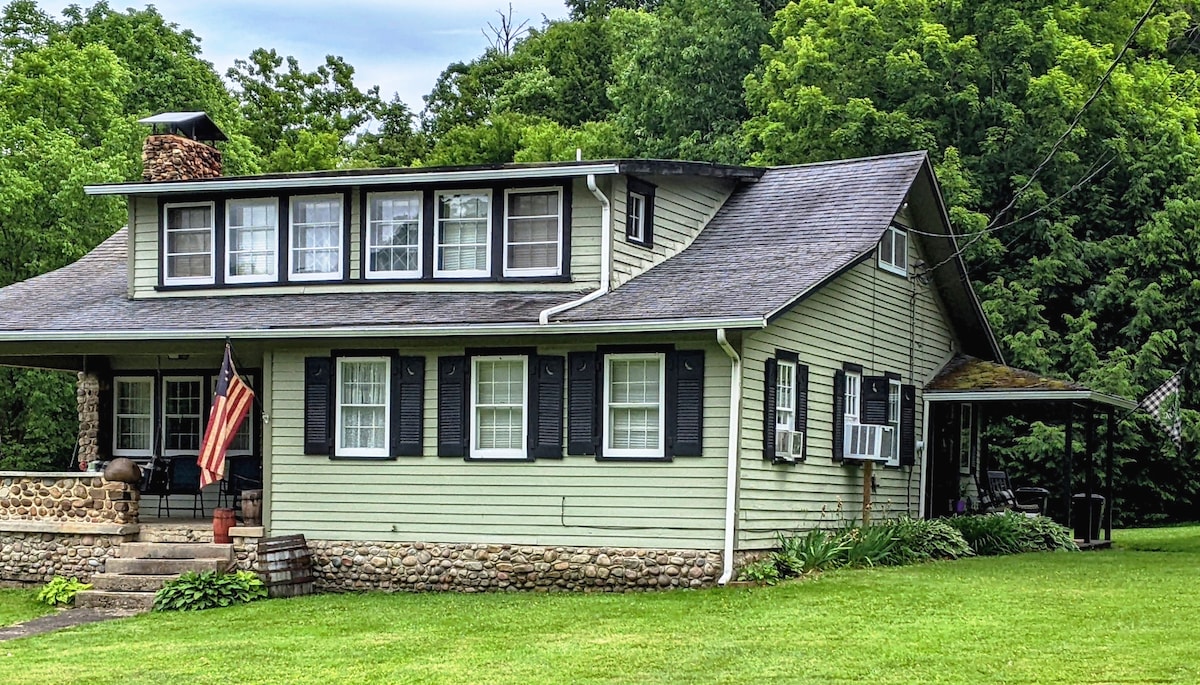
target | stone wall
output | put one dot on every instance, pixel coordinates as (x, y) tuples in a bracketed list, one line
[(168, 157), (38, 557), (70, 497), (340, 565), (87, 403)]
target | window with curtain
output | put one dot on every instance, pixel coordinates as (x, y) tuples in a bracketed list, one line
[(462, 233), (362, 406), (634, 398), (393, 235), (498, 400), (183, 407), (853, 397), (533, 232), (133, 417), (188, 240), (316, 237), (251, 230)]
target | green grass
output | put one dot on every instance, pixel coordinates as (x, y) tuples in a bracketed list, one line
[(1130, 615), (18, 606)]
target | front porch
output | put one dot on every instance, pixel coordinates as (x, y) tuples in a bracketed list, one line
[(970, 396)]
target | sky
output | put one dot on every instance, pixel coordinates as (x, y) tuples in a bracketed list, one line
[(400, 45)]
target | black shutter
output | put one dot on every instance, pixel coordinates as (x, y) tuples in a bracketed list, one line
[(802, 406), (685, 404), (770, 404), (452, 406), (582, 398), (839, 414), (908, 425), (318, 405), (875, 399), (546, 401), (648, 224), (408, 406)]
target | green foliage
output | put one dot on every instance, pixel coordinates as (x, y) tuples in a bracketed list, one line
[(919, 540), (816, 550), (60, 591), (762, 571), (195, 591), (1012, 533)]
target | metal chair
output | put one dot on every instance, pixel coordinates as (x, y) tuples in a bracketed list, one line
[(184, 479), (242, 473), (156, 481)]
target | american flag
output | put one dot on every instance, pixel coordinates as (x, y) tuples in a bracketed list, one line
[(1163, 404), (231, 404)]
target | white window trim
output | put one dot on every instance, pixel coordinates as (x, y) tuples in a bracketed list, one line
[(850, 412), (556, 270), (252, 278), (370, 273), (212, 245), (437, 236), (493, 453), (638, 236), (894, 390), (163, 411), (660, 451), (790, 424), (889, 264), (125, 452), (339, 449), (341, 232), (966, 412)]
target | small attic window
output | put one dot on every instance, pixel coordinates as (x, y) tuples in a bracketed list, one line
[(893, 250)]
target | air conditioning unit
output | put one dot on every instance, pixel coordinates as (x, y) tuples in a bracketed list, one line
[(869, 442), (789, 445)]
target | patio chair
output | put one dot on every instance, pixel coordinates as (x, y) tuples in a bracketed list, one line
[(243, 473), (997, 494), (156, 481), (184, 479)]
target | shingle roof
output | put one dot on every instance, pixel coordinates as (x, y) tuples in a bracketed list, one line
[(771, 241), (90, 295)]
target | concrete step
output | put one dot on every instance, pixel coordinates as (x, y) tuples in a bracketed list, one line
[(156, 567), (103, 599), (119, 582), (168, 532), (175, 550)]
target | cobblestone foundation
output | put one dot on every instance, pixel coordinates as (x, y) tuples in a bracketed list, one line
[(342, 565), (38, 557), (86, 498)]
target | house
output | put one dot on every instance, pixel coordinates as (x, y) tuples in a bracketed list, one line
[(593, 374)]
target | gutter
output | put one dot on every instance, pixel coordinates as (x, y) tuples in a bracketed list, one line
[(605, 257), (731, 466)]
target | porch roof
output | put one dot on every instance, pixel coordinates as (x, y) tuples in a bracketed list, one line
[(968, 379)]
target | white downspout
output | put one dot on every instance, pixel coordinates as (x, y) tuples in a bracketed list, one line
[(925, 448), (731, 467), (605, 257)]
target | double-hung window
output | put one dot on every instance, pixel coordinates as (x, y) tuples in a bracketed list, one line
[(363, 389), (894, 421), (893, 250), (251, 239), (393, 235), (853, 396), (533, 232), (499, 399), (316, 238), (785, 396), (188, 244), (183, 418), (463, 220), (133, 417), (634, 405), (635, 227)]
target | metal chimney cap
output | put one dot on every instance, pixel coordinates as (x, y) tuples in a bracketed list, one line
[(194, 125)]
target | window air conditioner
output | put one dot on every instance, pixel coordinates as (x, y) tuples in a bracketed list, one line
[(869, 442), (789, 445)]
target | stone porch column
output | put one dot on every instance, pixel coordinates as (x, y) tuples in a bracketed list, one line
[(87, 402)]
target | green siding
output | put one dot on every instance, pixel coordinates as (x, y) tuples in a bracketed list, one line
[(573, 501), (867, 316), (143, 245)]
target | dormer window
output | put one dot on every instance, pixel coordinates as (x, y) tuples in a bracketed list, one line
[(463, 219), (316, 238), (393, 235), (251, 236), (893, 250), (639, 213), (533, 232), (188, 237)]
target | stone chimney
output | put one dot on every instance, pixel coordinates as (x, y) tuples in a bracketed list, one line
[(174, 151)]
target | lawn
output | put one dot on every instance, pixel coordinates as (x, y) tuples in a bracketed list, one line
[(18, 606), (1129, 615)]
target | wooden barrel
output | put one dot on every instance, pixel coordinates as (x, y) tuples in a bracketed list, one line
[(285, 565), (223, 520)]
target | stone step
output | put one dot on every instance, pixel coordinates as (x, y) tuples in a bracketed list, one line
[(175, 550), (165, 532), (120, 582), (103, 599), (155, 567)]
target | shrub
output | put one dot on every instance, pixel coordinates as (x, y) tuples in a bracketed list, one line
[(816, 550), (1012, 533), (761, 571), (868, 546), (920, 540), (194, 591), (61, 591)]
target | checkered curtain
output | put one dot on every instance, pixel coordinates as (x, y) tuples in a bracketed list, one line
[(1163, 404)]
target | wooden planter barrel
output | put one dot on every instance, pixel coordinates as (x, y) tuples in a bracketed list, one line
[(285, 565)]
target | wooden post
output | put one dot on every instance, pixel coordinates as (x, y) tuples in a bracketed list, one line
[(1068, 464), (1108, 472), (868, 476)]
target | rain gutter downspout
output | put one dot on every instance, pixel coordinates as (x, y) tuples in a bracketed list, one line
[(605, 257), (731, 467)]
